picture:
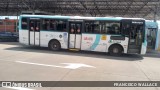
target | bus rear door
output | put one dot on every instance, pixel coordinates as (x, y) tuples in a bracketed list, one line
[(75, 30), (34, 32)]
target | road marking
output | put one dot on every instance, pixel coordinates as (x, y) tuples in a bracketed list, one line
[(69, 65), (76, 65), (19, 88)]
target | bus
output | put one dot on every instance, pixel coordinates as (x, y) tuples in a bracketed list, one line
[(99, 34), (152, 35)]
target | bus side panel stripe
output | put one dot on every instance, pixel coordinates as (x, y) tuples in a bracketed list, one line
[(96, 42)]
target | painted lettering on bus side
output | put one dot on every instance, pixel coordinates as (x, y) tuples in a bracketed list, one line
[(88, 38)]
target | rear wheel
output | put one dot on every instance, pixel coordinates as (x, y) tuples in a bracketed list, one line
[(115, 50), (54, 45)]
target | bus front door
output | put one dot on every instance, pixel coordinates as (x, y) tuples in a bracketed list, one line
[(133, 29), (34, 32), (75, 29)]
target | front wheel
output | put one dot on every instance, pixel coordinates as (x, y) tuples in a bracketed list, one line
[(54, 45), (115, 50)]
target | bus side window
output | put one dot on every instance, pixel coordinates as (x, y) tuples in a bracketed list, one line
[(37, 26), (61, 25), (52, 25), (24, 23), (46, 24), (112, 28), (31, 26), (72, 29), (92, 27), (126, 29)]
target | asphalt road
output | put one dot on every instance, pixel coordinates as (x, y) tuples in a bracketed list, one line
[(22, 63)]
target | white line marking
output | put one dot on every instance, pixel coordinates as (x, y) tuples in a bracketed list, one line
[(77, 65), (69, 65), (38, 64), (19, 88)]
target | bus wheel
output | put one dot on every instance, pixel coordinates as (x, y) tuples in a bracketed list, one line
[(115, 50), (54, 45)]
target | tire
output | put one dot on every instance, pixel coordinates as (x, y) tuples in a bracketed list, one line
[(54, 45), (115, 50)]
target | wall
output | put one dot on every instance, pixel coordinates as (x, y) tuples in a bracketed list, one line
[(8, 25)]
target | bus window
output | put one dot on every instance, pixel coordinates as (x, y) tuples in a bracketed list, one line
[(126, 28), (102, 28), (31, 26), (73, 28), (46, 24), (52, 25), (96, 27), (61, 25), (24, 23), (78, 28), (92, 27), (110, 28), (37, 26)]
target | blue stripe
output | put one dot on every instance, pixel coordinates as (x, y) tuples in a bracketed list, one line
[(96, 42)]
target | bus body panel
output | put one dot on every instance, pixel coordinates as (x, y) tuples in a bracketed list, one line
[(31, 36), (101, 43), (47, 36), (75, 41), (23, 37), (93, 42), (37, 38)]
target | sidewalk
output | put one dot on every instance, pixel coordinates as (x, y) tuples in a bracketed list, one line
[(152, 53)]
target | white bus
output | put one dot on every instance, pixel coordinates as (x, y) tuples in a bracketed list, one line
[(100, 34)]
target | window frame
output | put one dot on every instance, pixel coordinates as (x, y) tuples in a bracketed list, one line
[(55, 26), (102, 23), (26, 23)]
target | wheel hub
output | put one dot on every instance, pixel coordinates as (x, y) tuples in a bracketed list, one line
[(115, 50)]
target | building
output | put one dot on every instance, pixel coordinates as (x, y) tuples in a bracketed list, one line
[(8, 24)]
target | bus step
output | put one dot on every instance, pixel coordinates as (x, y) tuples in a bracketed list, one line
[(133, 47), (133, 51), (74, 49)]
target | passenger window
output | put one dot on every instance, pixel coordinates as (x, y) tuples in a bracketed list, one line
[(54, 25), (37, 26), (73, 28), (31, 26), (61, 25), (126, 28), (46, 24), (112, 28), (24, 23), (102, 27), (92, 27)]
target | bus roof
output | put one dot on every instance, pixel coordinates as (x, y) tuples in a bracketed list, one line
[(79, 17)]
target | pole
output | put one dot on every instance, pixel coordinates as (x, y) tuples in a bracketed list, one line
[(155, 13), (5, 25)]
